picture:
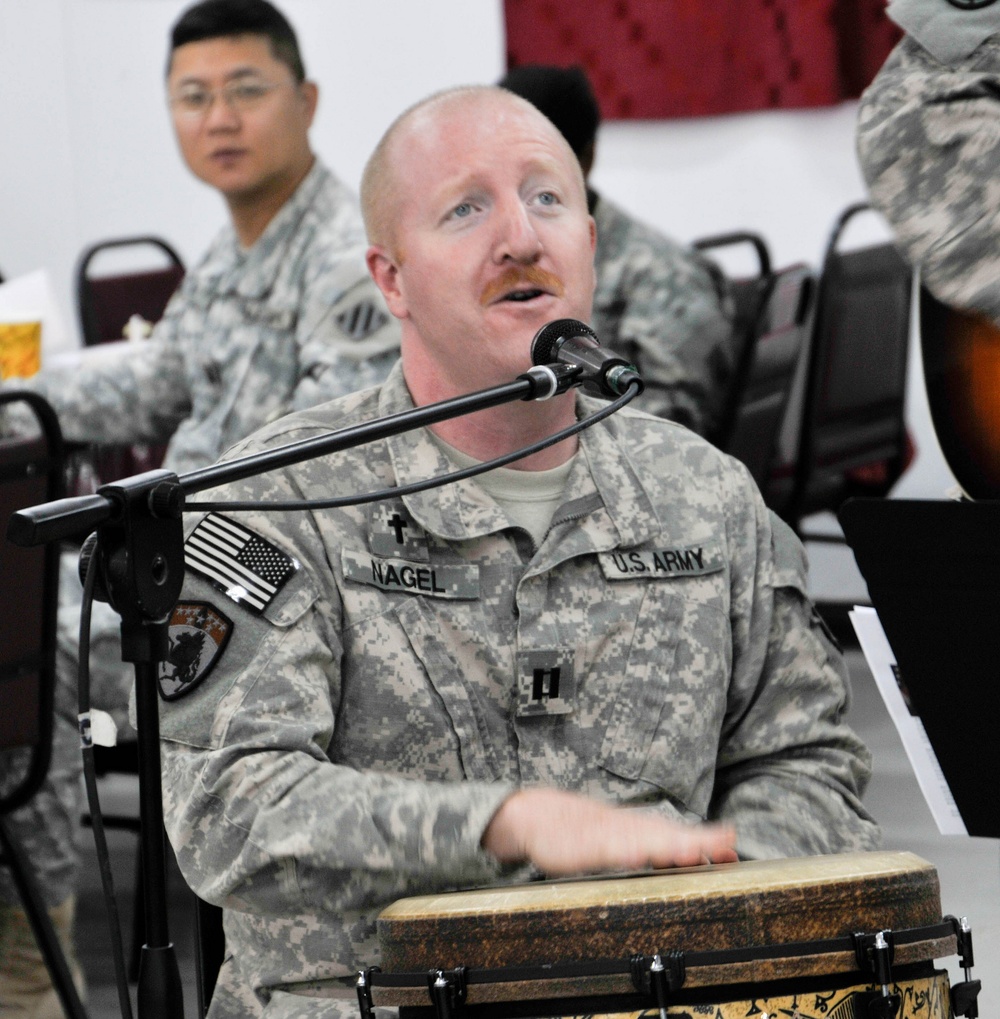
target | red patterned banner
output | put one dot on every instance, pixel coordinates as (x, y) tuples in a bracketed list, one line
[(689, 58)]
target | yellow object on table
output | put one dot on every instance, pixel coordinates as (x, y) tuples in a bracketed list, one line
[(20, 349)]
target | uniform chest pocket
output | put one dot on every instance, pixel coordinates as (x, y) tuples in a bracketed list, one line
[(438, 660), (665, 721)]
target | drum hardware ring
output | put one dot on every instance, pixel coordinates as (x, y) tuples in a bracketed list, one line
[(678, 967), (448, 990), (964, 996)]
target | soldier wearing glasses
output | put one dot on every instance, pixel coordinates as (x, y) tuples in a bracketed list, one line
[(279, 314)]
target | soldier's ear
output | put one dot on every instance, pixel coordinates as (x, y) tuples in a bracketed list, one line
[(385, 271)]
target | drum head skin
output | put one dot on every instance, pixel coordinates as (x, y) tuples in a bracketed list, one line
[(724, 906)]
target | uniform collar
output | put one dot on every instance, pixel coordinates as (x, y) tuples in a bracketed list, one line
[(605, 505)]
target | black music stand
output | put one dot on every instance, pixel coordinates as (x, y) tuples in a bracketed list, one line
[(933, 573)]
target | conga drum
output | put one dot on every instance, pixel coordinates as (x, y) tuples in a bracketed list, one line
[(853, 936)]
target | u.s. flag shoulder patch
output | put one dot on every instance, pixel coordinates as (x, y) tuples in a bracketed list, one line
[(244, 566), (198, 633)]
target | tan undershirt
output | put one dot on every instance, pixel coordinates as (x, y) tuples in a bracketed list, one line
[(529, 498)]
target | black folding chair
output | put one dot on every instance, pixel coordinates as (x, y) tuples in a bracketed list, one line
[(773, 313), (852, 437), (210, 950), (748, 294), (31, 472), (106, 303)]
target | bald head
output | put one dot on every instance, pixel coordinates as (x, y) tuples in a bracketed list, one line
[(381, 195)]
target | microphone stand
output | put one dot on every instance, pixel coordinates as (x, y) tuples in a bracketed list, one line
[(139, 551)]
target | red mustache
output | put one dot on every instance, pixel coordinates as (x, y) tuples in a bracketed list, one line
[(517, 277)]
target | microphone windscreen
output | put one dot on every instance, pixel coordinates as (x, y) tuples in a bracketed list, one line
[(549, 338)]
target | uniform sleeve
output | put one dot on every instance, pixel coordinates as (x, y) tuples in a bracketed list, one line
[(790, 772), (262, 819), (127, 393), (675, 322), (347, 339), (928, 140)]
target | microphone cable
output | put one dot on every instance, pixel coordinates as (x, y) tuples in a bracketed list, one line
[(93, 799), (633, 390)]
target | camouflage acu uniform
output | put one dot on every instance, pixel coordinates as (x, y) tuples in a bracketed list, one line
[(344, 737), (928, 140), (665, 308), (250, 334)]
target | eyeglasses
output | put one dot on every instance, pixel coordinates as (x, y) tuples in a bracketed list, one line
[(241, 96)]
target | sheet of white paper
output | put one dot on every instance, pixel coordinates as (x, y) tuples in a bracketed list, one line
[(32, 298), (923, 760), (87, 357)]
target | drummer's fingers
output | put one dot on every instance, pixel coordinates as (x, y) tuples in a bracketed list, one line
[(637, 841), (692, 845)]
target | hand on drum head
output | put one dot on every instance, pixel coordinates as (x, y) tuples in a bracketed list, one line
[(563, 833)]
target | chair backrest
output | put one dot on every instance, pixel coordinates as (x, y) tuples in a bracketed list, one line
[(748, 294), (772, 359), (31, 472), (107, 302), (855, 379)]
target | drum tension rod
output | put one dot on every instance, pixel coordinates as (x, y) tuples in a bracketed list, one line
[(448, 989), (660, 976), (964, 996), (874, 953), (364, 986)]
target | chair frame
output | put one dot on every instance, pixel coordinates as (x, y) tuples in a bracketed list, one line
[(46, 664), (11, 853), (88, 321), (745, 343)]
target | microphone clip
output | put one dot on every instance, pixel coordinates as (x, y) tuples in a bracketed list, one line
[(548, 380)]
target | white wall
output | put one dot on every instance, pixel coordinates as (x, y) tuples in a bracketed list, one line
[(88, 151)]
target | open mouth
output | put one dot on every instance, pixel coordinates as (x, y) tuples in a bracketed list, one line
[(522, 295)]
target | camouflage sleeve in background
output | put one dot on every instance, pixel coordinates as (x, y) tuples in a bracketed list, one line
[(347, 340), (119, 394), (928, 138), (666, 309)]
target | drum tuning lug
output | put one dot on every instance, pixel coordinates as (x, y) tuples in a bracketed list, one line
[(963, 935), (884, 1005), (874, 954), (660, 977), (364, 986), (448, 989), (965, 998)]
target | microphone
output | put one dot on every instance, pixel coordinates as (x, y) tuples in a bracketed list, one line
[(567, 341)]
